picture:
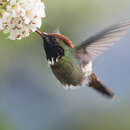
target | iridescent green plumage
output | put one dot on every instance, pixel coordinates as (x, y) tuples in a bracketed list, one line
[(67, 69)]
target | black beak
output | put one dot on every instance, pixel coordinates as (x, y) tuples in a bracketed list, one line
[(42, 34)]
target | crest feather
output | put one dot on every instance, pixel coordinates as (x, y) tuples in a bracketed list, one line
[(65, 39)]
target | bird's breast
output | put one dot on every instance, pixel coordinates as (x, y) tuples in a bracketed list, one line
[(68, 72)]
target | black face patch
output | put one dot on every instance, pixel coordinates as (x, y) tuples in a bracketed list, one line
[(53, 51)]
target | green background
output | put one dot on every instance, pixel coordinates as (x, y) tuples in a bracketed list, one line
[(30, 96)]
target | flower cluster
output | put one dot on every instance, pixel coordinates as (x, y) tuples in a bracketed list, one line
[(21, 17)]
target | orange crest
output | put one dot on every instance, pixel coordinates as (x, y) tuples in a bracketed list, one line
[(65, 39)]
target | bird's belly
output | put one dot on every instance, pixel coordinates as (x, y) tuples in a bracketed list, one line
[(68, 73), (87, 69)]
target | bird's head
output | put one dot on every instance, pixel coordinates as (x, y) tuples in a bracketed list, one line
[(54, 45)]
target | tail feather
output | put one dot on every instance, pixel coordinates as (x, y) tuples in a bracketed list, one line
[(96, 84)]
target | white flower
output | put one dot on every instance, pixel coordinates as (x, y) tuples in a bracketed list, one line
[(21, 17)]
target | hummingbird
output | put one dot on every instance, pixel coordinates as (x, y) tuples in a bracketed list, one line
[(72, 65)]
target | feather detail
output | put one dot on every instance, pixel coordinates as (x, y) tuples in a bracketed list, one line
[(97, 44), (96, 84), (62, 37)]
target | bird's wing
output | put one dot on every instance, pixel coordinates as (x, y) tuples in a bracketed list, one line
[(97, 44)]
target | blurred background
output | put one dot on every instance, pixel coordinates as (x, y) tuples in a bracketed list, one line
[(30, 96)]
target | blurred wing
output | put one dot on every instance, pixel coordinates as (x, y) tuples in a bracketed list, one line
[(97, 44)]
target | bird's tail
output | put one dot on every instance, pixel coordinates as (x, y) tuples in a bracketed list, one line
[(96, 84)]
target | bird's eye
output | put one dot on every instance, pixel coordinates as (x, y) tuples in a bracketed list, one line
[(53, 38)]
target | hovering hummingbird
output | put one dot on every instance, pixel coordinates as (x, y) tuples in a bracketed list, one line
[(72, 65)]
